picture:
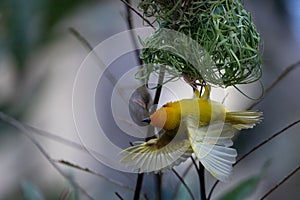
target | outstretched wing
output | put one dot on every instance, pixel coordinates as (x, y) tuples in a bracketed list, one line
[(157, 154), (211, 145)]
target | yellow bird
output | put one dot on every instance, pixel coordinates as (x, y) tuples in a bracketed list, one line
[(198, 125)]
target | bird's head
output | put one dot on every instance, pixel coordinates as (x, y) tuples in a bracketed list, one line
[(167, 117)]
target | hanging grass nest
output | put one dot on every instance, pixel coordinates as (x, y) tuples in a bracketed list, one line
[(223, 29)]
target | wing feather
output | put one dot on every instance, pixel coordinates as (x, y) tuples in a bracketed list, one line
[(153, 157), (211, 145)]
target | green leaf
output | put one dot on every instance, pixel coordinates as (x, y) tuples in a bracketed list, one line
[(31, 191), (244, 189), (247, 187)]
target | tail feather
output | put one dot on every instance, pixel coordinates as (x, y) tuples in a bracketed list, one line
[(244, 119)]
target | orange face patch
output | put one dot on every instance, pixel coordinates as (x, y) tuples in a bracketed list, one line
[(159, 118), (167, 117)]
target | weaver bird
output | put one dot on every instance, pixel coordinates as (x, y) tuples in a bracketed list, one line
[(197, 125)]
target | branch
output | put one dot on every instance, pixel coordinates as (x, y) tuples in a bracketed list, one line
[(184, 184), (59, 139), (150, 131), (81, 39), (202, 181), (9, 120), (212, 189), (201, 172), (139, 181), (266, 141), (158, 179), (184, 175), (286, 72), (138, 187), (90, 48), (119, 196), (74, 145), (131, 27), (139, 14), (69, 164), (159, 86), (281, 183), (140, 177)]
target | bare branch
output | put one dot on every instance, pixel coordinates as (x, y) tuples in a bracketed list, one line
[(140, 177), (139, 14), (202, 181), (184, 174), (59, 139), (212, 189), (286, 72), (9, 120), (281, 182), (81, 39), (266, 141), (138, 187), (184, 184), (130, 28), (119, 196), (69, 164), (90, 48)]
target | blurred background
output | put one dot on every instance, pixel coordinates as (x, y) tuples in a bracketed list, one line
[(39, 60)]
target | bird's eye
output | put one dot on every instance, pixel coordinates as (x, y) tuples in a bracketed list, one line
[(166, 105)]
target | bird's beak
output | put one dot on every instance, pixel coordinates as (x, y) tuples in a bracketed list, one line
[(147, 120)]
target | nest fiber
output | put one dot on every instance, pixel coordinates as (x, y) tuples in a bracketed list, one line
[(223, 28)]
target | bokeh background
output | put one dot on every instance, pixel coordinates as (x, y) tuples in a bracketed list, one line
[(39, 60)]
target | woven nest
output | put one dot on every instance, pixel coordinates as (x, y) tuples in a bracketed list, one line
[(223, 29)]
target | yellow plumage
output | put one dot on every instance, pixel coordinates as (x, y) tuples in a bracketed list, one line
[(198, 125)]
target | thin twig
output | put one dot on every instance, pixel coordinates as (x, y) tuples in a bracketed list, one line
[(81, 39), (132, 35), (281, 183), (202, 181), (59, 139), (256, 148), (183, 183), (156, 98), (266, 141), (158, 178), (69, 164), (286, 72), (9, 120), (138, 187), (159, 86), (139, 14), (150, 131), (90, 48), (139, 181), (119, 196), (155, 102), (195, 164), (200, 171), (146, 197), (184, 174), (212, 189)]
